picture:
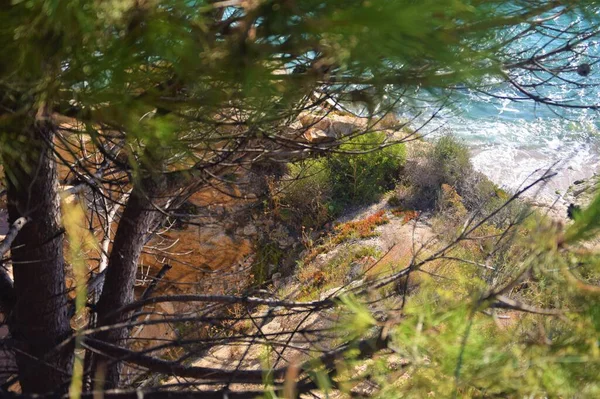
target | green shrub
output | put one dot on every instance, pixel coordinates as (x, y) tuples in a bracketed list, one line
[(314, 192), (446, 162), (451, 203), (305, 194), (267, 255), (362, 178), (394, 200), (345, 266), (452, 160)]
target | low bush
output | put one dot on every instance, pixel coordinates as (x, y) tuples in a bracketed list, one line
[(446, 162), (441, 177), (407, 215), (347, 265), (349, 231), (267, 256), (314, 192), (362, 176), (451, 204), (452, 161), (305, 195)]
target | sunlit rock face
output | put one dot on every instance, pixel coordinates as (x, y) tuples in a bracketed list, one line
[(211, 249), (321, 129), (211, 245)]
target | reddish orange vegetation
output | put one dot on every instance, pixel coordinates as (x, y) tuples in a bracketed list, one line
[(311, 279), (410, 215), (406, 215), (361, 228), (346, 231), (318, 278)]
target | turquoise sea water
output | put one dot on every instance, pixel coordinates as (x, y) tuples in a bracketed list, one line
[(513, 142)]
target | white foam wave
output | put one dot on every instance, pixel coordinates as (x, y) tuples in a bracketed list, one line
[(517, 151)]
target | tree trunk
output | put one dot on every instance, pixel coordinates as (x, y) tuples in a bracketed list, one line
[(138, 219), (39, 320)]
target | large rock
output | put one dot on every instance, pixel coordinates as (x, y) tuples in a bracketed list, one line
[(582, 192), (320, 129), (317, 136)]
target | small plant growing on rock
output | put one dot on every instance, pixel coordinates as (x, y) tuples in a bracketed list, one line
[(344, 266), (406, 215), (364, 228), (451, 203), (394, 200)]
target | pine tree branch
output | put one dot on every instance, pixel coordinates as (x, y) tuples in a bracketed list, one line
[(7, 292), (12, 234), (366, 348)]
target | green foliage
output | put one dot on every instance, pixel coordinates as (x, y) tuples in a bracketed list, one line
[(267, 256), (315, 191), (362, 177), (454, 352), (305, 194), (345, 265), (587, 223), (449, 348), (452, 159), (448, 162), (118, 61), (452, 343), (360, 319)]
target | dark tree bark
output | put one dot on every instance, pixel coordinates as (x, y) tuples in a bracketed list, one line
[(138, 219), (39, 320), (7, 292)]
